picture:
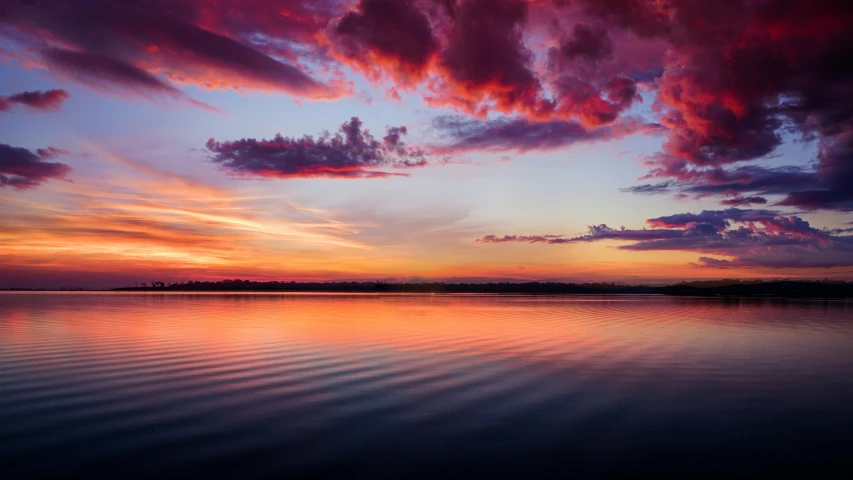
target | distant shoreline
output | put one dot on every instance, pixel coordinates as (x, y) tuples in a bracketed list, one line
[(786, 289)]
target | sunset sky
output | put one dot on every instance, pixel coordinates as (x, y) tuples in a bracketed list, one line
[(637, 141)]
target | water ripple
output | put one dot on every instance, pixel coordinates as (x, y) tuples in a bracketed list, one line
[(106, 385)]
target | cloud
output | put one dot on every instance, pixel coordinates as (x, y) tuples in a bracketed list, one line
[(350, 153), (749, 238), (486, 59), (552, 239), (744, 201), (487, 64), (107, 73), (596, 232), (386, 34), (729, 81), (650, 188), (742, 73), (523, 135), (833, 188), (211, 45), (35, 100), (23, 169), (818, 188), (718, 218), (587, 42)]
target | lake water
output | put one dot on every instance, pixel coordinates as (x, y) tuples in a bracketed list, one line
[(403, 386)]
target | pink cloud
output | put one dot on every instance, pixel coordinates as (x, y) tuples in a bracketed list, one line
[(35, 100)]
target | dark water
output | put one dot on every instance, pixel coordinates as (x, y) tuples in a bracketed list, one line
[(125, 385)]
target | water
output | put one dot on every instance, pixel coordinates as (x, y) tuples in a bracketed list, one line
[(402, 386)]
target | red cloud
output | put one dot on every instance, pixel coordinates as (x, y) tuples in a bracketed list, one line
[(210, 45), (486, 58), (35, 100)]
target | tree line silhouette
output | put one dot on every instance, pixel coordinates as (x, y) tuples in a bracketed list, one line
[(784, 288)]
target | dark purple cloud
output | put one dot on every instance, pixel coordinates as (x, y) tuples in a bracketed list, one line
[(746, 179), (818, 188), (833, 188), (718, 218), (586, 42), (739, 201), (35, 100), (741, 74), (23, 169), (350, 153), (749, 238), (523, 135), (596, 232)]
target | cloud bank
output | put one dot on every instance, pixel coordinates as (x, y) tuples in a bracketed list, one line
[(747, 238)]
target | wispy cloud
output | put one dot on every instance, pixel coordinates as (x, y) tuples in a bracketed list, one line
[(105, 73), (522, 135), (129, 43)]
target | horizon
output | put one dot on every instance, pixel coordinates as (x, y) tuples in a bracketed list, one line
[(373, 139), (158, 285)]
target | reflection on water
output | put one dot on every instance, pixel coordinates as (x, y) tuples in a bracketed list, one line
[(119, 385)]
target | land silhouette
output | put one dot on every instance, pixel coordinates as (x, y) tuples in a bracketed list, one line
[(739, 288), (702, 288)]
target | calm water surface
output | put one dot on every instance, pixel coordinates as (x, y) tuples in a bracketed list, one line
[(402, 386)]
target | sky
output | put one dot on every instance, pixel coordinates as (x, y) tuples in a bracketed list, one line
[(631, 141)]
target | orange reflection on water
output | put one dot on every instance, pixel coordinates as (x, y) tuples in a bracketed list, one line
[(605, 331), (335, 378)]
